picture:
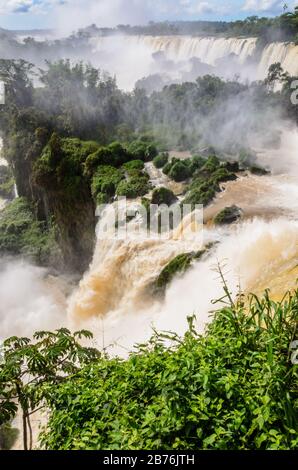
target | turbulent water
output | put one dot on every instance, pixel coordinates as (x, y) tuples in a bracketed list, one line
[(259, 252), (138, 61)]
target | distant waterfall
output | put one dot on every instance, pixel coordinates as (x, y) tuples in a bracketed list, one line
[(208, 49), (131, 57), (285, 53)]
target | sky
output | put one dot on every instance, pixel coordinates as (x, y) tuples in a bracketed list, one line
[(71, 14)]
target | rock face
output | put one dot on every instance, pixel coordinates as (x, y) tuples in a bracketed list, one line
[(75, 223), (60, 196)]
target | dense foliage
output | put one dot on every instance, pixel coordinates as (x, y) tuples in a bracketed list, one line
[(283, 27), (29, 367), (58, 136), (234, 388), (206, 181), (21, 234)]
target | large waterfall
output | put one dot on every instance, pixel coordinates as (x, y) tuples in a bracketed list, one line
[(132, 57), (209, 49)]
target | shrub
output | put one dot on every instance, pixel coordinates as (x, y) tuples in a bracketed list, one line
[(163, 196), (161, 160), (134, 187), (211, 165), (203, 194), (119, 154), (222, 175), (142, 151), (228, 215), (22, 234), (179, 172), (133, 165), (105, 181), (195, 163), (233, 388)]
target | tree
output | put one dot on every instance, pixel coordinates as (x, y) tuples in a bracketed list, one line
[(276, 74), (29, 368)]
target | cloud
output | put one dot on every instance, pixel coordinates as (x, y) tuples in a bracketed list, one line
[(74, 14), (15, 6), (266, 6), (197, 8)]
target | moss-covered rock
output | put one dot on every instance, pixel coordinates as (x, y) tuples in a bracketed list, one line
[(229, 215), (259, 171), (179, 265), (65, 194)]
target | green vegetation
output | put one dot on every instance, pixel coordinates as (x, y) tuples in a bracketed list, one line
[(58, 135), (205, 184), (179, 265), (161, 160), (21, 234), (7, 189), (181, 170), (6, 183), (104, 183), (137, 185), (228, 215), (48, 359), (133, 165), (280, 28), (233, 388), (163, 196), (145, 151), (60, 166)]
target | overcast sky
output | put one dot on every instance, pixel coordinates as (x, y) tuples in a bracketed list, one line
[(16, 14)]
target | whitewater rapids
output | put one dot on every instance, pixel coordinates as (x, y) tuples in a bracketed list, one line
[(258, 253)]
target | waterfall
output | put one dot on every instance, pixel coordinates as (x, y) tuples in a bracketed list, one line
[(130, 58), (208, 49), (259, 252), (285, 53)]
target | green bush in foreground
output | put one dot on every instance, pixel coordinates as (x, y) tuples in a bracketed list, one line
[(233, 388)]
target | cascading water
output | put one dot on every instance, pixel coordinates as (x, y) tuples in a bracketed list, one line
[(137, 61), (285, 53), (259, 252)]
